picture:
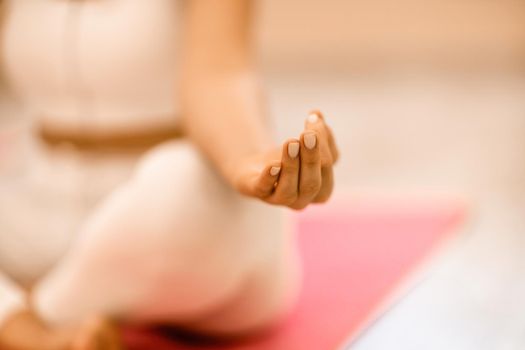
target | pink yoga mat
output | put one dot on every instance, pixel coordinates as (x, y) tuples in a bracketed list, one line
[(356, 253)]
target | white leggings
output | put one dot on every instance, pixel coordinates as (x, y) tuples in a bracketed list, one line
[(171, 243)]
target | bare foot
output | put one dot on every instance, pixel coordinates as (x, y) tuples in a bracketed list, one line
[(96, 334), (25, 331)]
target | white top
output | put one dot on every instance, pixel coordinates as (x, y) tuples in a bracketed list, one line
[(94, 64)]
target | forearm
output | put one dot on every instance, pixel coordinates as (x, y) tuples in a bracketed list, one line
[(221, 102), (223, 114)]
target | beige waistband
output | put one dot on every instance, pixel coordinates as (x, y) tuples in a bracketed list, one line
[(128, 140)]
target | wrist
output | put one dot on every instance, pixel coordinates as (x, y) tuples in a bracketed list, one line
[(242, 172)]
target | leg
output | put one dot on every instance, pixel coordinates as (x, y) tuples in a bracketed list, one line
[(174, 244)]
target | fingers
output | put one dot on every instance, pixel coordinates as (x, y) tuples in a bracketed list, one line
[(305, 174), (310, 179), (266, 181), (327, 185), (329, 151), (329, 154), (286, 191), (331, 143)]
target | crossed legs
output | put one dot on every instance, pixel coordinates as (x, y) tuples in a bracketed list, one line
[(174, 244)]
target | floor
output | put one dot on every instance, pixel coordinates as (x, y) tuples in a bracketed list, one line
[(434, 132), (409, 131)]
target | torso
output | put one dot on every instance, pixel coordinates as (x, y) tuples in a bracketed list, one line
[(94, 73), (94, 66)]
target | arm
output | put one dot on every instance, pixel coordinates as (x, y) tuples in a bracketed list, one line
[(220, 91), (224, 115)]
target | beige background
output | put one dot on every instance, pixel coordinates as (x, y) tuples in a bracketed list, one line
[(367, 31), (425, 96)]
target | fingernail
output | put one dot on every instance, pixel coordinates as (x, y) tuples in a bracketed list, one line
[(312, 118), (293, 149), (310, 140), (275, 170)]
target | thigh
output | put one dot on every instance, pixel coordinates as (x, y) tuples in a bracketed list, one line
[(267, 295), (171, 244)]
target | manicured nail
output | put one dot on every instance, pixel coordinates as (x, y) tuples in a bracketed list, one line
[(310, 140), (275, 170), (293, 149), (312, 118)]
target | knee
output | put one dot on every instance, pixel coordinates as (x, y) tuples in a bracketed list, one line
[(186, 194), (179, 161)]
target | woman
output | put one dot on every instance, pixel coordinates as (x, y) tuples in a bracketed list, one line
[(150, 188)]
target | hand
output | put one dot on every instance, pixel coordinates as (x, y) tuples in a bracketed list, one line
[(25, 331), (295, 175)]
